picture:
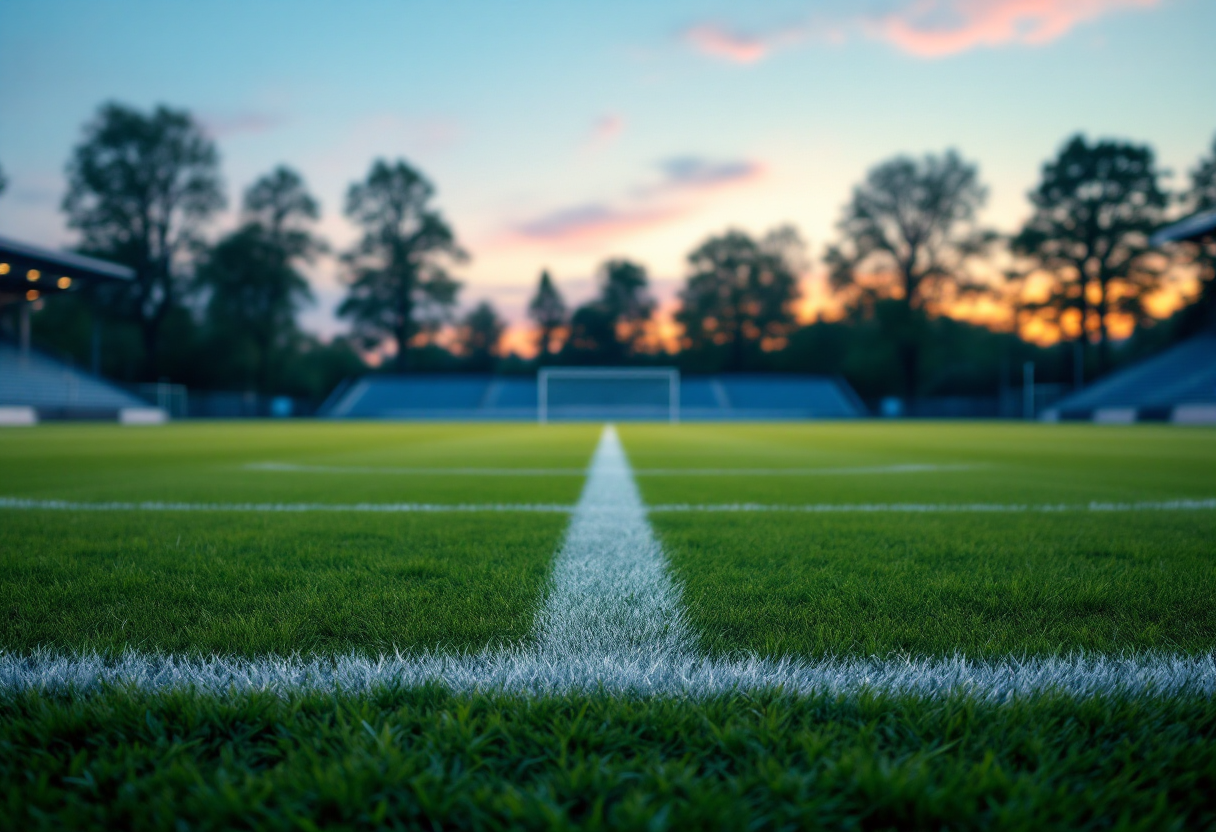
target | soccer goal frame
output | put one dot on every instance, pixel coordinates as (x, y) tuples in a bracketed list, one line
[(547, 374)]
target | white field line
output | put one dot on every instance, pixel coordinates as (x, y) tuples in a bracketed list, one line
[(612, 600), (386, 508), (530, 671), (22, 503), (933, 508), (910, 468)]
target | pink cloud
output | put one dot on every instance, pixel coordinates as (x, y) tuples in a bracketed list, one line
[(685, 182), (718, 42), (692, 173), (604, 132), (594, 222), (936, 28), (923, 28)]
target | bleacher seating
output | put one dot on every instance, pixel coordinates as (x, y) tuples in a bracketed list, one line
[(1183, 376), (702, 398), (56, 390)]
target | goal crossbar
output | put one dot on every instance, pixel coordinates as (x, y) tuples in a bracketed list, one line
[(546, 407)]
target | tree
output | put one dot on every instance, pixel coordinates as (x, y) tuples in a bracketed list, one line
[(251, 277), (740, 293), (399, 285), (1094, 208), (1201, 196), (612, 326), (140, 186), (479, 332), (280, 203), (3, 181), (908, 233), (548, 311)]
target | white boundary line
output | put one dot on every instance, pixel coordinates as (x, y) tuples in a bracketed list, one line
[(374, 508), (664, 675), (947, 508), (22, 503), (612, 600), (908, 468)]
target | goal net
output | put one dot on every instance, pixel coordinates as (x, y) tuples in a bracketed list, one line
[(606, 393)]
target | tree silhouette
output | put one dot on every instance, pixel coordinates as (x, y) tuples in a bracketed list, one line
[(399, 285), (548, 311), (908, 231), (251, 276), (1094, 208), (741, 292), (139, 188), (1201, 196), (479, 333), (3, 181), (611, 327)]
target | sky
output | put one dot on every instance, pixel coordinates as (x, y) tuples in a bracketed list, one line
[(559, 134)]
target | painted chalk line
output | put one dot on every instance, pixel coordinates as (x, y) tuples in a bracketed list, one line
[(22, 503), (909, 468), (612, 600), (383, 508), (536, 673)]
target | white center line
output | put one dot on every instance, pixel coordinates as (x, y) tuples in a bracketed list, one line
[(611, 593)]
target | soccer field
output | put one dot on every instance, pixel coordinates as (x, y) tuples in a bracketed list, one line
[(826, 624)]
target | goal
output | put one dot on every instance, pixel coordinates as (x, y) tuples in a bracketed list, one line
[(608, 393)]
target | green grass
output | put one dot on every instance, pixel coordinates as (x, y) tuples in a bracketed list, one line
[(428, 759), (207, 462), (936, 584), (1012, 462), (258, 584), (778, 583), (255, 584)]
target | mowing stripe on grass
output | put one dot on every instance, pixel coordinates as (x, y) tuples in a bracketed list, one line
[(291, 467), (611, 599)]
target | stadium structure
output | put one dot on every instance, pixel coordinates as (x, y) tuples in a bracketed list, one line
[(1177, 385), (34, 386), (596, 394)]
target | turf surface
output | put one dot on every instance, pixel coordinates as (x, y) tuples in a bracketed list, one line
[(779, 583), (936, 584), (427, 759), (271, 583), (210, 462)]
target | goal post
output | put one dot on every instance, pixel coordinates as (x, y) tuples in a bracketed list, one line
[(607, 393)]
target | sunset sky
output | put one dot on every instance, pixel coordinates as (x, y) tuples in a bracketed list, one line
[(561, 133)]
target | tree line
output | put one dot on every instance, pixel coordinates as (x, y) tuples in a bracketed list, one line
[(142, 187)]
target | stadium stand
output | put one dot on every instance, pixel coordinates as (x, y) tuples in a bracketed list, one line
[(1178, 385), (53, 390), (34, 386), (702, 398)]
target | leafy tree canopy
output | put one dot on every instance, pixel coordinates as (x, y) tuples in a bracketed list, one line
[(740, 293), (399, 284), (140, 186), (1094, 208), (548, 311)]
